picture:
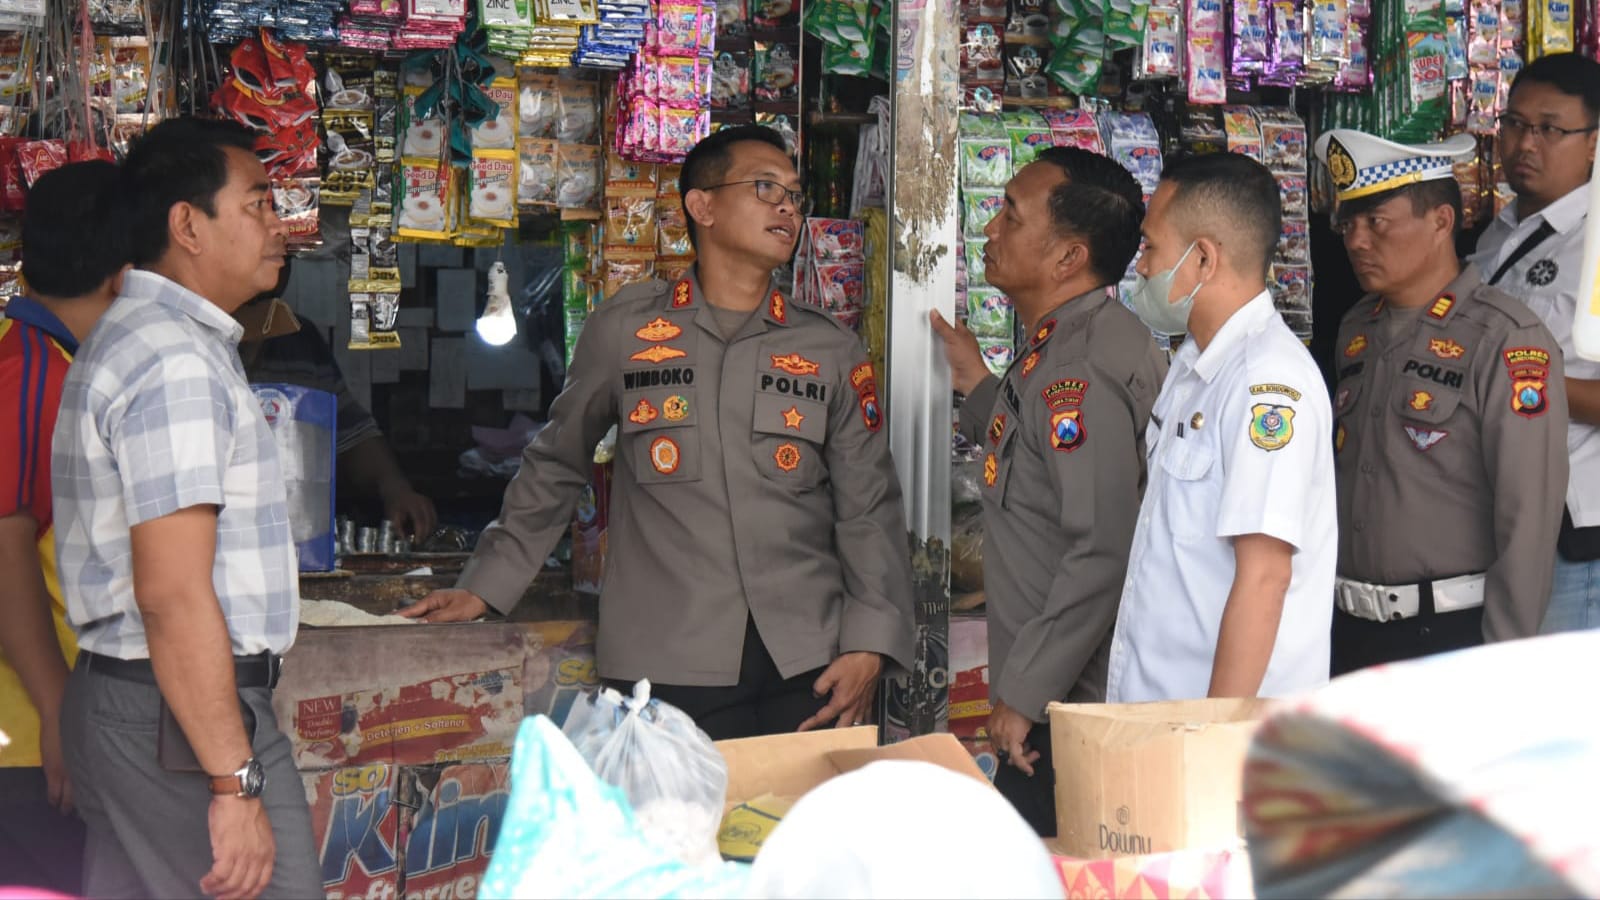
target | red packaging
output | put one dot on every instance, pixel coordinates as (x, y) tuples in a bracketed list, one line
[(12, 193), (39, 157)]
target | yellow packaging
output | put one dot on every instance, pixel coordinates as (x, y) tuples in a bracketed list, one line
[(493, 197)]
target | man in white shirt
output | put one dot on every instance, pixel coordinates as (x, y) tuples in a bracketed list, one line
[(1534, 251), (1231, 576)]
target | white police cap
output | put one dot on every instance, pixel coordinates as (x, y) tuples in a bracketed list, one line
[(1363, 165)]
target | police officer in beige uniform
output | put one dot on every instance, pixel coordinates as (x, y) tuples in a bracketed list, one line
[(1534, 251), (1450, 442), (1063, 435), (758, 572)]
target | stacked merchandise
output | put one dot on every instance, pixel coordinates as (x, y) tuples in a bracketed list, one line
[(830, 270), (986, 166), (294, 20), (664, 97), (852, 34), (1132, 140), (558, 136), (755, 75), (1284, 150), (537, 33), (580, 272)]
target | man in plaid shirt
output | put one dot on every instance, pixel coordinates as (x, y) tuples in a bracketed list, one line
[(177, 563)]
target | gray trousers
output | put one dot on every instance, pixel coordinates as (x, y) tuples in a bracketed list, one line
[(148, 833)]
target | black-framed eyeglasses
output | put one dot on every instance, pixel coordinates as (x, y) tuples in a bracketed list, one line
[(773, 193), (1513, 125)]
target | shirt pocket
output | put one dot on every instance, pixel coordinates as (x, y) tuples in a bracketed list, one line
[(789, 439), (1190, 500), (660, 434)]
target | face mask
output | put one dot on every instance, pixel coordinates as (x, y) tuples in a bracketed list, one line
[(1151, 301)]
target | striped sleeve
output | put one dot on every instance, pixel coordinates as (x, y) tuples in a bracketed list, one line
[(32, 371)]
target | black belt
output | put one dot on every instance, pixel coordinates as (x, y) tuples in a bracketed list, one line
[(259, 671)]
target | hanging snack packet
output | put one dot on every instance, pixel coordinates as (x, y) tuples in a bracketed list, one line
[(536, 172), (989, 313), (678, 30), (628, 265), (423, 200), (730, 81), (538, 104), (631, 221), (351, 155), (1163, 40), (493, 198), (1206, 77), (672, 228), (297, 202), (985, 162), (777, 73), (580, 112), (733, 18), (1252, 44), (978, 206), (498, 132), (578, 171), (997, 353)]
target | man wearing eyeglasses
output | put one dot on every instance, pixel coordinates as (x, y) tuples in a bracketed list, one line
[(1450, 422), (1534, 250), (757, 572)]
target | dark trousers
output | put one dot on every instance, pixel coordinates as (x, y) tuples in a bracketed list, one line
[(148, 832), (763, 702), (39, 847), (1359, 643), (1034, 797)]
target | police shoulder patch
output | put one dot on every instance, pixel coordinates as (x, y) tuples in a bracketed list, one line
[(1271, 426), (1064, 393), (1066, 430)]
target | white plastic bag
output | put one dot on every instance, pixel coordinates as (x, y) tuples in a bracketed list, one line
[(672, 775)]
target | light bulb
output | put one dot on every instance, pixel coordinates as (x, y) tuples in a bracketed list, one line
[(497, 326)]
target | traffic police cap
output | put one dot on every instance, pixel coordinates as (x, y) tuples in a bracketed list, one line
[(1363, 165)]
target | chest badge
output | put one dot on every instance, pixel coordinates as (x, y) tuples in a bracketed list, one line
[(991, 470), (1029, 364), (658, 354), (664, 455), (675, 408), (1197, 421), (794, 364), (1271, 427), (792, 418), (1543, 272), (787, 456), (1446, 348), (1423, 438), (1356, 345), (658, 329), (643, 414), (1421, 401)]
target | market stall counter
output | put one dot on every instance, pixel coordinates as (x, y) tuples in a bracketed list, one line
[(402, 731)]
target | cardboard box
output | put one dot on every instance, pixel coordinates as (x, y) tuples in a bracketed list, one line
[(1142, 778), (773, 772)]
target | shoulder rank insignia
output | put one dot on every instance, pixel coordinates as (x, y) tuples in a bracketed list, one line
[(643, 414), (991, 470), (658, 329), (664, 455), (1271, 426), (787, 456), (682, 295), (777, 309), (1441, 306), (1446, 348), (658, 354), (997, 428), (794, 364), (1046, 328), (1029, 364), (1066, 430)]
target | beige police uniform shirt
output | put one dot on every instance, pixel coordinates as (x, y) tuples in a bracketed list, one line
[(1451, 449), (1547, 280), (752, 477), (1063, 435)]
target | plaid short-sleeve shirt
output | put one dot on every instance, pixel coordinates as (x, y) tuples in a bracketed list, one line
[(156, 416)]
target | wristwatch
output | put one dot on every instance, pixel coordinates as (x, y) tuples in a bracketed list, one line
[(247, 782)]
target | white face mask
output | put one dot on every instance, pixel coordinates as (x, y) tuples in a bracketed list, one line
[(1152, 300)]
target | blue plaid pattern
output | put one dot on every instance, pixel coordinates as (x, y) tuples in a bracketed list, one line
[(1384, 172), (156, 416)]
